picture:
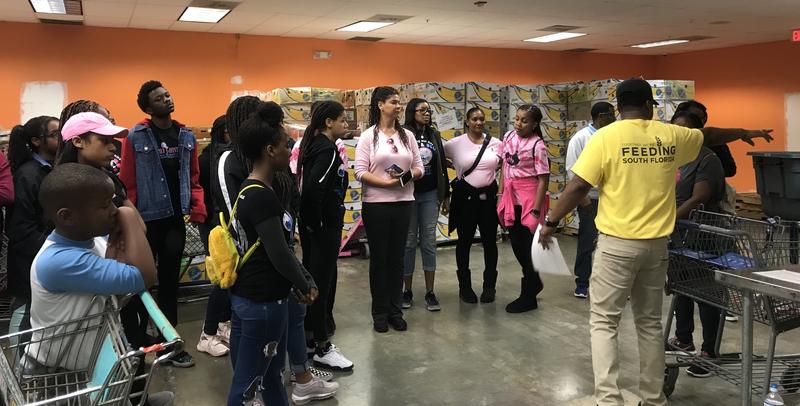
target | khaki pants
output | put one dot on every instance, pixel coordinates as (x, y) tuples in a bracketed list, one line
[(622, 268)]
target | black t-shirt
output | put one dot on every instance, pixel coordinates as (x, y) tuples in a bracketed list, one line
[(257, 279), (706, 167), (429, 155), (120, 193), (168, 151)]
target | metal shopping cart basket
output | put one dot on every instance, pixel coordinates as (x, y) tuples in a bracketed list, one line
[(709, 242), (85, 361)]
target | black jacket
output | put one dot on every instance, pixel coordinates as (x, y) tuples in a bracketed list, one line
[(442, 182), (324, 183), (26, 228)]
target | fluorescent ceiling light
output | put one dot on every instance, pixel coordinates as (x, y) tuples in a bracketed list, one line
[(365, 26), (661, 43), (555, 37), (49, 6), (203, 14)]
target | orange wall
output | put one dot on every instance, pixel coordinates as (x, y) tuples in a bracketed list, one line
[(742, 87), (109, 65)]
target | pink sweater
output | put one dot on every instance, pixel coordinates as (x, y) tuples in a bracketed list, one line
[(376, 158)]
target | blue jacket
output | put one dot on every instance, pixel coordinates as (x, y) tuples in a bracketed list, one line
[(143, 175)]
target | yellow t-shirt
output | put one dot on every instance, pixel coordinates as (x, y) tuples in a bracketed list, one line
[(634, 162)]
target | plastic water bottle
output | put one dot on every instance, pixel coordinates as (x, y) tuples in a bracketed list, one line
[(773, 397)]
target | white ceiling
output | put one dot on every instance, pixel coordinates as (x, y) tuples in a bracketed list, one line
[(612, 25)]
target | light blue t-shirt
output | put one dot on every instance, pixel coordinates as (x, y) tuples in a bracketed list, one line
[(71, 280)]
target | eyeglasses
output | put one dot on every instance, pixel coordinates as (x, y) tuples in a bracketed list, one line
[(424, 111), (390, 141)]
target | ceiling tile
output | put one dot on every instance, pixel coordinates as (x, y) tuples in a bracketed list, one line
[(186, 26), (157, 12), (151, 24), (611, 24), (103, 21)]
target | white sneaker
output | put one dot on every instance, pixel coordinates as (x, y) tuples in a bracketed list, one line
[(224, 331), (333, 359), (731, 318), (212, 345), (316, 389)]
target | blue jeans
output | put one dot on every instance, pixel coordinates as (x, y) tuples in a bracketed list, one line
[(296, 336), (253, 326), (422, 230), (587, 240)]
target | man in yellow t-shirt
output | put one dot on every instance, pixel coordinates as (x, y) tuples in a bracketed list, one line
[(633, 162)]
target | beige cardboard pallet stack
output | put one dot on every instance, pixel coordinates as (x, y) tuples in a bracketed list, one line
[(566, 108)]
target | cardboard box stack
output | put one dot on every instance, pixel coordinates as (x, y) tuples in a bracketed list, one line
[(488, 97), (669, 94)]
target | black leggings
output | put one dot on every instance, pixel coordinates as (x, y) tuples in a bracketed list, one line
[(521, 240), (218, 309), (482, 215), (320, 253), (167, 238), (684, 322), (387, 228)]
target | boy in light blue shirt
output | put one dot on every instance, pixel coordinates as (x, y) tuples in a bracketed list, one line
[(78, 268)]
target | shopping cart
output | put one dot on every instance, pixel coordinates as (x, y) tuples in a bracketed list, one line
[(85, 361), (709, 242), (6, 300)]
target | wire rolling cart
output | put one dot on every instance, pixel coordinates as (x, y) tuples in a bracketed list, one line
[(86, 361), (711, 242), (6, 300)]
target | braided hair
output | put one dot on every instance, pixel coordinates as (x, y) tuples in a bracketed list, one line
[(238, 111), (66, 150), (535, 115), (381, 94), (320, 113)]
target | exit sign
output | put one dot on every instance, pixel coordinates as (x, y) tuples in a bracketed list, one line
[(796, 35)]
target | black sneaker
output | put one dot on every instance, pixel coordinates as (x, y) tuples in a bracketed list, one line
[(381, 326), (181, 360), (398, 323), (431, 302), (408, 299), (676, 347), (698, 371)]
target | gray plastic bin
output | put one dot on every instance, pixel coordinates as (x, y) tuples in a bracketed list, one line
[(778, 183)]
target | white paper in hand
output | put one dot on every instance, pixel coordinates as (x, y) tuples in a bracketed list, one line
[(550, 260)]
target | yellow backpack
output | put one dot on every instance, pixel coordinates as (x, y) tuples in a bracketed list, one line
[(224, 260)]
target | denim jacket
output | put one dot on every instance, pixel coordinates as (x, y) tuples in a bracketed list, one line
[(143, 175)]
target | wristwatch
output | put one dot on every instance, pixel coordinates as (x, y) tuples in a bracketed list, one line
[(549, 223)]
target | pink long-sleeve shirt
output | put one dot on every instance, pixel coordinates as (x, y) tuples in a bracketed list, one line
[(375, 158), (6, 182)]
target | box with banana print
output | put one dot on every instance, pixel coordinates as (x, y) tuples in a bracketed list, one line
[(441, 92), (484, 92)]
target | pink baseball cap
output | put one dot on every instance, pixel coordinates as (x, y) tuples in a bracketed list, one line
[(83, 123)]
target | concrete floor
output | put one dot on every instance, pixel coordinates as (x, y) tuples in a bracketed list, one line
[(465, 354)]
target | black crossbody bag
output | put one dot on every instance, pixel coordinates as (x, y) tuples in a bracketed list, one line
[(461, 189)]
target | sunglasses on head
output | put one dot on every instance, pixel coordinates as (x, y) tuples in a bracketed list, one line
[(390, 141)]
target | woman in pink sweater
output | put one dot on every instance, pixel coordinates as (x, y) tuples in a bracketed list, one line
[(387, 162)]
